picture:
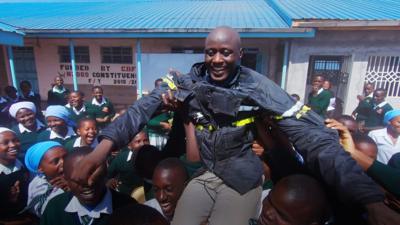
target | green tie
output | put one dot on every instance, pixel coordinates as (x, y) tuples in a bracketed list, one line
[(86, 220)]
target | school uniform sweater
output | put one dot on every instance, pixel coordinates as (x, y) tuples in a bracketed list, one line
[(48, 135), (55, 212), (97, 110), (122, 168), (27, 137), (17, 172)]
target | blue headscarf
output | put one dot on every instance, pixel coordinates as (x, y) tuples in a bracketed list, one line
[(390, 115), (61, 112), (36, 152)]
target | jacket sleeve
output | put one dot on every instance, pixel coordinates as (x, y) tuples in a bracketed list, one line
[(319, 146), (387, 176), (326, 159), (126, 126)]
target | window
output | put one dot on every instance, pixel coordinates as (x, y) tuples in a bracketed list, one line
[(187, 50), (117, 55), (328, 66), (384, 72), (81, 54)]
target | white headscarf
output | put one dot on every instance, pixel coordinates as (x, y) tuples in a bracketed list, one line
[(4, 129), (21, 105)]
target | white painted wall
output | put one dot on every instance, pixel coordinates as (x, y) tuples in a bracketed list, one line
[(357, 44), (156, 65)]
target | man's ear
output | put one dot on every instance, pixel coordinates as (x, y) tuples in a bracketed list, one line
[(241, 52), (78, 132)]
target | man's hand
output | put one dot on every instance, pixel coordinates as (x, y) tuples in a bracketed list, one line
[(59, 182), (345, 136), (380, 214), (88, 169)]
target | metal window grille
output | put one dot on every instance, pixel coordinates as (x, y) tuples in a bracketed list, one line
[(117, 55), (384, 72), (81, 54), (331, 67)]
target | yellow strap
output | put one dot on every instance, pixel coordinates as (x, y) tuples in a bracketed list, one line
[(241, 123), (169, 82), (201, 127), (302, 111)]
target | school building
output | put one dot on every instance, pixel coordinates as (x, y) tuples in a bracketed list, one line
[(125, 45)]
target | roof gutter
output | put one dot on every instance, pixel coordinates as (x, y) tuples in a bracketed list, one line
[(362, 24), (169, 33)]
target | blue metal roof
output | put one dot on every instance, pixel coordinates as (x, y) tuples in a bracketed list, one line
[(141, 15), (340, 9), (9, 35)]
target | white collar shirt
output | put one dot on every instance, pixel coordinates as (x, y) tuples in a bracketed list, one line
[(105, 206), (95, 102), (22, 129), (8, 170), (57, 90), (38, 186), (78, 112), (70, 133), (386, 147), (77, 143)]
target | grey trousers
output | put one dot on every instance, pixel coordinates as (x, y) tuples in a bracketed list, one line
[(207, 198)]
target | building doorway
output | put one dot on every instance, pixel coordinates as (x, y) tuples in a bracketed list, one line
[(25, 67), (333, 68)]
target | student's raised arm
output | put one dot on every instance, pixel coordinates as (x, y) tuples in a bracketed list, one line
[(119, 133)]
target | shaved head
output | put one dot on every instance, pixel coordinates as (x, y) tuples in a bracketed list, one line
[(296, 199), (223, 34), (222, 54)]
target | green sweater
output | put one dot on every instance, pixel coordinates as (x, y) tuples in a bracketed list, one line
[(375, 119), (85, 114), (45, 136), (153, 126), (9, 209), (97, 112), (27, 139), (363, 109), (320, 102), (55, 98), (386, 176), (55, 214), (125, 171)]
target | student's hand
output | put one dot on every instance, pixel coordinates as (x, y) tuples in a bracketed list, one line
[(379, 111), (345, 136), (380, 214), (105, 109), (14, 192), (170, 102), (360, 97), (60, 182), (165, 126), (257, 148), (113, 183)]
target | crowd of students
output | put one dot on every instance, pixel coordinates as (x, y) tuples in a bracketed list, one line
[(208, 164)]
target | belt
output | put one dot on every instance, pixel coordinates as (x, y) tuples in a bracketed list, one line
[(239, 123)]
